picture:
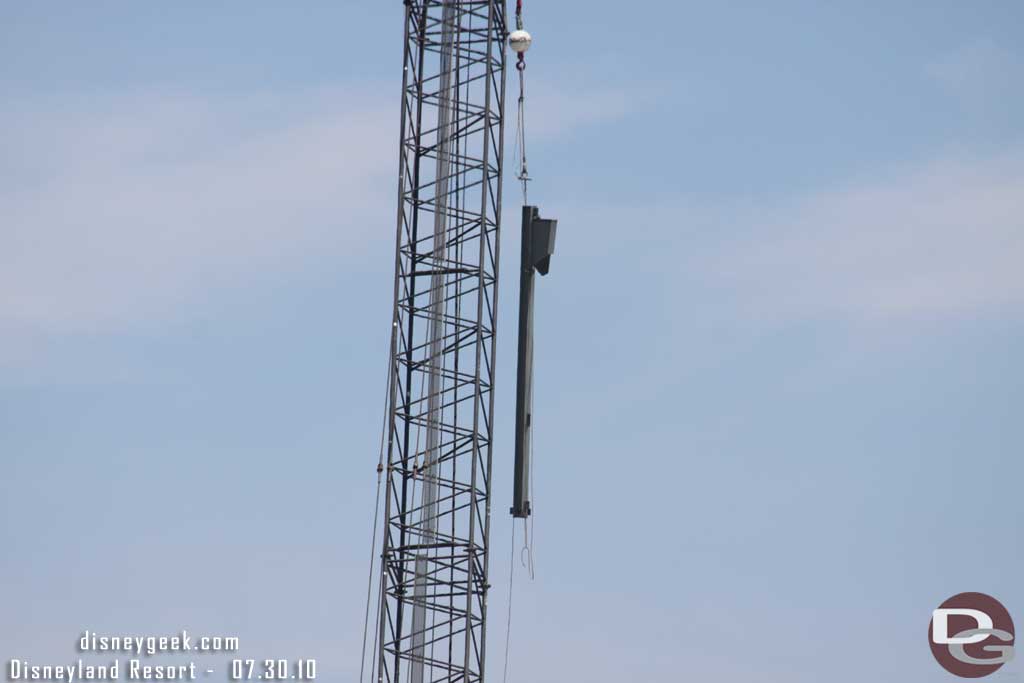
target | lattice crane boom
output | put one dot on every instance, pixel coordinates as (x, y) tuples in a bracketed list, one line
[(437, 505)]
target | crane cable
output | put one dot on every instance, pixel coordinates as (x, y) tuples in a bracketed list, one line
[(508, 622), (520, 145), (526, 554), (376, 519)]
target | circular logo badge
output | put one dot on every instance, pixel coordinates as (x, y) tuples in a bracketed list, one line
[(971, 635)]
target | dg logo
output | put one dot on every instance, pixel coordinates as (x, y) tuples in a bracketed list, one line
[(971, 635)]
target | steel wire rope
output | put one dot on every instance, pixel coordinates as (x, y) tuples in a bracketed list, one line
[(508, 620), (376, 513)]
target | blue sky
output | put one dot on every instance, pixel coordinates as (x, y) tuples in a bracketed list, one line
[(778, 410)]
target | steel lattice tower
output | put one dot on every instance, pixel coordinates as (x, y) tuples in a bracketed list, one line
[(434, 566)]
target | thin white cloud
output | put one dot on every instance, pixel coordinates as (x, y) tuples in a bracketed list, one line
[(125, 208), (938, 241), (942, 239)]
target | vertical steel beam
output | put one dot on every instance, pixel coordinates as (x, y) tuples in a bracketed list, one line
[(537, 246)]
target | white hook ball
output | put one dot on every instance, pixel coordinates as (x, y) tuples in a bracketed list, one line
[(519, 41)]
